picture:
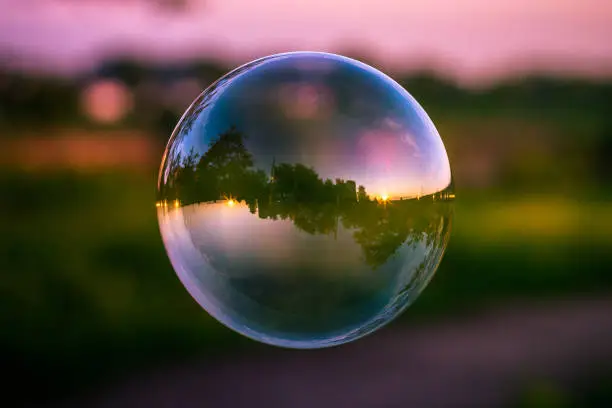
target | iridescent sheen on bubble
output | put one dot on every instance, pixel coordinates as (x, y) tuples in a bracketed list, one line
[(305, 199)]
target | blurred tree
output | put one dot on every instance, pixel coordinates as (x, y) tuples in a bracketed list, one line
[(127, 70), (37, 100)]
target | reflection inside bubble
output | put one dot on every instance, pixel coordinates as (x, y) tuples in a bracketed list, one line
[(305, 199)]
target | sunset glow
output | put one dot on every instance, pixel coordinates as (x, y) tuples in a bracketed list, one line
[(472, 39)]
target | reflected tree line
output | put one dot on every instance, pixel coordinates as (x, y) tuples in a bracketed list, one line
[(296, 192)]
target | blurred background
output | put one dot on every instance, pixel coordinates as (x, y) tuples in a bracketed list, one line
[(520, 311)]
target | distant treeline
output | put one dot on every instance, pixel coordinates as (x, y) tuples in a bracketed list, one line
[(27, 100), (226, 171)]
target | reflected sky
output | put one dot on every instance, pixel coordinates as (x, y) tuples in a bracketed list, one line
[(278, 284), (229, 231), (341, 117)]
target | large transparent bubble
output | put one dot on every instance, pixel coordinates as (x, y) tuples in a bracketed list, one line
[(305, 199)]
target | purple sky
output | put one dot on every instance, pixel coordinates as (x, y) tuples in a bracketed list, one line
[(472, 40)]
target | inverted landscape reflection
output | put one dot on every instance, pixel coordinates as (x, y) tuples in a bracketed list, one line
[(305, 199)]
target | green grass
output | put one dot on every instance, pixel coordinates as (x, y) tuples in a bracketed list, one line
[(88, 293), (87, 288), (595, 393)]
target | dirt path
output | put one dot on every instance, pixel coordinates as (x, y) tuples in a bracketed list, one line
[(483, 361)]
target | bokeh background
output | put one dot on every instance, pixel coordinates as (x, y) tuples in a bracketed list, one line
[(520, 311)]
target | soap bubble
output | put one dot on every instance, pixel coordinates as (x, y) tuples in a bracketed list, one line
[(305, 199)]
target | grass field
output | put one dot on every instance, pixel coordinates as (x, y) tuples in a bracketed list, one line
[(89, 294)]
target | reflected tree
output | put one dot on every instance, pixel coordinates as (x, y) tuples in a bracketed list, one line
[(295, 192)]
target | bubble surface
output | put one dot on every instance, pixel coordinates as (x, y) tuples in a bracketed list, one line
[(305, 199)]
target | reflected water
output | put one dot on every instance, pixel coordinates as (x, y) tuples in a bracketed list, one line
[(305, 199)]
